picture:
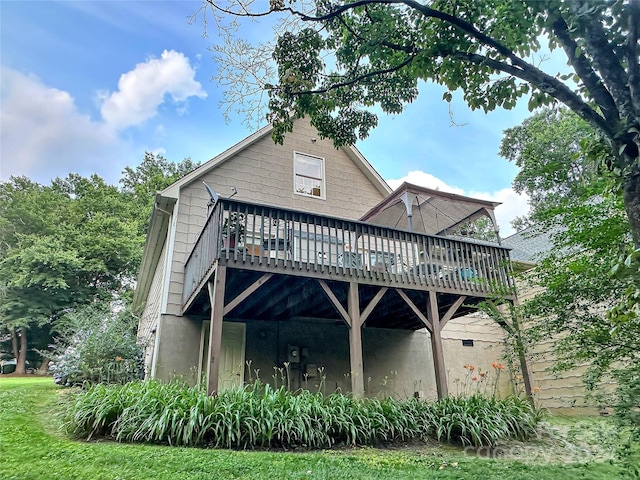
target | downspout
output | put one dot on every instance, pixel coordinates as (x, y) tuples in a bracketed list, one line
[(167, 258)]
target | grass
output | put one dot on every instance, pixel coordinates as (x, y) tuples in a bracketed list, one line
[(32, 447)]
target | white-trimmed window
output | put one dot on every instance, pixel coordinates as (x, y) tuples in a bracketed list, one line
[(308, 175)]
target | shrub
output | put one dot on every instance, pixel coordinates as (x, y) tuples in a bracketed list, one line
[(261, 416), (96, 344)]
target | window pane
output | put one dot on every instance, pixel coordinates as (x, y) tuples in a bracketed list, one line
[(309, 167), (308, 177), (308, 186)]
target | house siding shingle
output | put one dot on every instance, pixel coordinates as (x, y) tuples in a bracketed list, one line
[(152, 310), (263, 173)]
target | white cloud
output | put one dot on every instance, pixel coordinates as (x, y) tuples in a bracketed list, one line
[(423, 179), (142, 90), (44, 134), (513, 204)]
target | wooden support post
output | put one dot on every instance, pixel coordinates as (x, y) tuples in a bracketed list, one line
[(436, 346), (355, 342), (521, 350), (216, 297)]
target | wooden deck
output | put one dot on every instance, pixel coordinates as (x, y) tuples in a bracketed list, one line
[(256, 262), (298, 244)]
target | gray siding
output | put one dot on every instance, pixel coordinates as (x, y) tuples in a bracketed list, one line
[(151, 313), (263, 173)]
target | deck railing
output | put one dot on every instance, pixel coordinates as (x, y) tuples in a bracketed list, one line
[(257, 236)]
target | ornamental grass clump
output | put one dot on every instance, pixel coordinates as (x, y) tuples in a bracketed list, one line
[(483, 421), (260, 416)]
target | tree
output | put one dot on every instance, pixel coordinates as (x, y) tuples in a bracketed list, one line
[(33, 264), (76, 242), (547, 148), (154, 173), (582, 304), (62, 246), (336, 60)]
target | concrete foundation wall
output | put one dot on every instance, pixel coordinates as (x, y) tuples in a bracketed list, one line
[(396, 362), (178, 348), (488, 348)]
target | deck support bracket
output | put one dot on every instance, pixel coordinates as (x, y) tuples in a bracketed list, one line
[(246, 293), (372, 304), (415, 310), (336, 303)]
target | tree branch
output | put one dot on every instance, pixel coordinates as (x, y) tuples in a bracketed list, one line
[(632, 54), (357, 79), (385, 43), (583, 68), (545, 83), (608, 64)]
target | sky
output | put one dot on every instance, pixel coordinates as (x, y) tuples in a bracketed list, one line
[(89, 86)]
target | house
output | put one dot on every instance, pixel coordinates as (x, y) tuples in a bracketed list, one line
[(562, 392), (297, 263)]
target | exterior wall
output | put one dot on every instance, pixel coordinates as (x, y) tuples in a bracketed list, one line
[(151, 314), (263, 173), (178, 348), (488, 348), (562, 392), (396, 362)]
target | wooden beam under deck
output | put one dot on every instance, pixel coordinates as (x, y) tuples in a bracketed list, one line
[(372, 304), (216, 297), (355, 342), (247, 293), (336, 303)]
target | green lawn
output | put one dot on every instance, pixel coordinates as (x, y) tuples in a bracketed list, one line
[(31, 447)]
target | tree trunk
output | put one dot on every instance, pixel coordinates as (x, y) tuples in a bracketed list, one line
[(44, 368), (14, 343), (21, 365), (631, 196)]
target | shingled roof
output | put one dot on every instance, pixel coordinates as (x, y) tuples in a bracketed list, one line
[(529, 244)]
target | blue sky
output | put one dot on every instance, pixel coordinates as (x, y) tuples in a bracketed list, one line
[(89, 86)]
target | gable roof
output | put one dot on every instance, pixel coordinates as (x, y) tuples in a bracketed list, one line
[(352, 152), (433, 212), (166, 199)]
